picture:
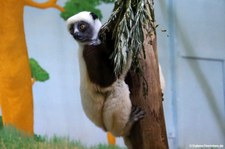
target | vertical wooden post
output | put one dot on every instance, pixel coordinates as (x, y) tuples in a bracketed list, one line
[(150, 132), (144, 84)]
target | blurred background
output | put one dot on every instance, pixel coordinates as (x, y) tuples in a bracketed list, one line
[(191, 47)]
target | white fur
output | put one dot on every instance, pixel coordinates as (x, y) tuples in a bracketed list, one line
[(162, 80), (86, 17)]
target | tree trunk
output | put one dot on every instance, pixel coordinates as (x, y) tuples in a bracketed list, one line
[(143, 77), (16, 99), (150, 132), (15, 77)]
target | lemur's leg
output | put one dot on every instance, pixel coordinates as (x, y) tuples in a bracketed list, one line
[(117, 108), (118, 113), (136, 114)]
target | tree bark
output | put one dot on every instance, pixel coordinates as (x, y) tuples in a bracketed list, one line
[(150, 132)]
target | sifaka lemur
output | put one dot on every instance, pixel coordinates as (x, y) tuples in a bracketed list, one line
[(105, 96)]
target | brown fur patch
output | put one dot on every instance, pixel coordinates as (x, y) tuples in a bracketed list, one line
[(99, 65)]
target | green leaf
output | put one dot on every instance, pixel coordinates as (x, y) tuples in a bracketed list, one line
[(73, 7), (108, 1), (37, 72)]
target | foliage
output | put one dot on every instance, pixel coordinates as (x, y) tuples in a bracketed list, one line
[(74, 6), (10, 138), (37, 72), (130, 16)]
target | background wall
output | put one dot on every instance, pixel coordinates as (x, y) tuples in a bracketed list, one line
[(191, 51)]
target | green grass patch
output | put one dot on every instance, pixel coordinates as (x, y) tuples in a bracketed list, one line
[(10, 138), (1, 123)]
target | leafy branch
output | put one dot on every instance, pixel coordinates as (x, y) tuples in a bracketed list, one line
[(128, 31)]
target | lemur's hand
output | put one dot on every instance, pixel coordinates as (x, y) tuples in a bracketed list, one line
[(104, 32)]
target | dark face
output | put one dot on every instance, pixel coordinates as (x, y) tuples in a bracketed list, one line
[(81, 31)]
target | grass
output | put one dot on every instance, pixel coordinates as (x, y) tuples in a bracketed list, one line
[(10, 138), (1, 125)]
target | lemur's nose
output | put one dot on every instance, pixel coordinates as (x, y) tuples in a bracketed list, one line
[(77, 35)]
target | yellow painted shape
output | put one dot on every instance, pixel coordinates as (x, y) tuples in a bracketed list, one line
[(111, 139), (16, 99), (33, 81), (15, 77), (44, 5)]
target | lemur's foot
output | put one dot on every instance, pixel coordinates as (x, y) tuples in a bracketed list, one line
[(136, 114)]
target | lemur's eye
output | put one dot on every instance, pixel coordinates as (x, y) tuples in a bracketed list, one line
[(82, 27)]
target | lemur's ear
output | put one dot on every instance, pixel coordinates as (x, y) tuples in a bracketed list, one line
[(94, 16)]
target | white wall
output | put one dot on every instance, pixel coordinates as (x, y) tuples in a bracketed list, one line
[(192, 55)]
